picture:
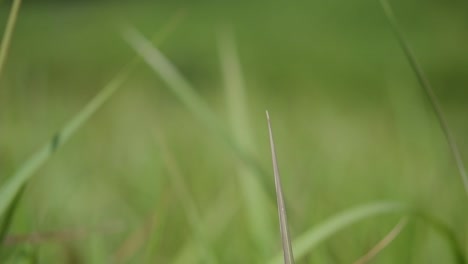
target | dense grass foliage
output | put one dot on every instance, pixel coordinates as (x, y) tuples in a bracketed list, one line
[(175, 167)]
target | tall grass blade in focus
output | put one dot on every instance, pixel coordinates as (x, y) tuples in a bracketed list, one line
[(14, 183), (260, 223), (283, 219), (426, 85), (6, 39)]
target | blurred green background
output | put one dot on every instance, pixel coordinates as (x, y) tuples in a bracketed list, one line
[(351, 124)]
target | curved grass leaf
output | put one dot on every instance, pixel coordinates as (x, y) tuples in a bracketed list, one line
[(310, 239), (322, 232), (426, 85), (444, 231)]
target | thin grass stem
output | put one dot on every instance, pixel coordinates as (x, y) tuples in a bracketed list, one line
[(283, 219), (429, 91), (10, 26)]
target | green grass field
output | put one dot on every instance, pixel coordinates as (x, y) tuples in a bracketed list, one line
[(171, 162)]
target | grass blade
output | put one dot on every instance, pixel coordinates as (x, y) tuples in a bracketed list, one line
[(383, 243), (310, 239), (259, 217), (6, 223), (426, 85), (283, 220), (12, 186), (22, 175), (185, 92), (8, 33)]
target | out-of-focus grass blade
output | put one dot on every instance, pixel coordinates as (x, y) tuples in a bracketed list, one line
[(383, 243), (182, 191), (6, 40), (444, 231), (426, 85), (185, 92), (182, 88), (216, 220), (10, 213), (310, 239), (259, 217), (22, 175), (11, 187), (283, 219)]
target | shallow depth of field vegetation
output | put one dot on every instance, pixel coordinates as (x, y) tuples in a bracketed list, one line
[(135, 131)]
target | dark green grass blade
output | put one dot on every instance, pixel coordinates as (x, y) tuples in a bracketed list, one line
[(283, 219), (426, 85), (11, 187), (444, 231), (6, 223), (6, 39)]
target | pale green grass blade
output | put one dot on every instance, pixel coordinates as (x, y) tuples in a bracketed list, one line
[(426, 85), (283, 219), (27, 169), (382, 244), (312, 238), (186, 93), (6, 39), (259, 217), (182, 191)]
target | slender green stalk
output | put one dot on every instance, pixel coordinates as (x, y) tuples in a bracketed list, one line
[(366, 258), (426, 85), (283, 219), (6, 40)]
